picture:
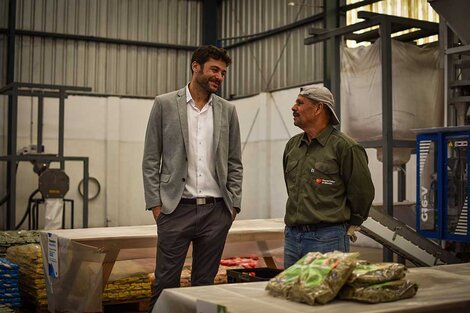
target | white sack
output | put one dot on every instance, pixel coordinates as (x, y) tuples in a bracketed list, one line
[(54, 212), (417, 91)]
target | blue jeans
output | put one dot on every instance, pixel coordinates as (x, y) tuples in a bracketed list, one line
[(298, 243)]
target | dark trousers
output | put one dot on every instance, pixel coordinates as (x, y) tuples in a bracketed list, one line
[(206, 226)]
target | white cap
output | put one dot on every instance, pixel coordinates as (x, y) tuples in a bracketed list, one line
[(323, 95)]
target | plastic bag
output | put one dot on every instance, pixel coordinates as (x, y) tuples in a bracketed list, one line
[(367, 273), (316, 278), (384, 292)]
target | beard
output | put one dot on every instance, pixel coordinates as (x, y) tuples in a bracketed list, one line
[(209, 84)]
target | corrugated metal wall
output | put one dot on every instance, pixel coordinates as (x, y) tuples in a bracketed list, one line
[(108, 68), (274, 62), (271, 63)]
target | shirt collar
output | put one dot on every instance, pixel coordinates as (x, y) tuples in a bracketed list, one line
[(189, 98), (322, 138)]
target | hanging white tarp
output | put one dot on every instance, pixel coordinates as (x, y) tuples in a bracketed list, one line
[(417, 91)]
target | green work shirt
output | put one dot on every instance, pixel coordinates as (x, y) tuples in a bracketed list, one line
[(327, 180)]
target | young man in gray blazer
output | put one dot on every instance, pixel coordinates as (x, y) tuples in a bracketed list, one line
[(192, 172)]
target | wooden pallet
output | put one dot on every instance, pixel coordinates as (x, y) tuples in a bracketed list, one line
[(137, 305), (29, 307)]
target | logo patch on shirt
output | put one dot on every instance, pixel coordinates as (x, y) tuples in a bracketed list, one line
[(324, 181)]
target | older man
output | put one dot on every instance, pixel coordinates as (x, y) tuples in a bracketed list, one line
[(328, 182)]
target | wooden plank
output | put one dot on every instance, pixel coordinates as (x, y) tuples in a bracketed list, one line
[(130, 305)]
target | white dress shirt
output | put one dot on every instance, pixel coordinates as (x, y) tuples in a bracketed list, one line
[(201, 180)]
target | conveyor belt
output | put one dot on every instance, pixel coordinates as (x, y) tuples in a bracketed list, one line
[(404, 241)]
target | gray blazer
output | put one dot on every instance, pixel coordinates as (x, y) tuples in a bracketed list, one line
[(165, 163)]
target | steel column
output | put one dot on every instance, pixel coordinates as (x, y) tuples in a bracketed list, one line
[(336, 75), (330, 22), (61, 125), (11, 164), (387, 132), (209, 22), (401, 189), (10, 216), (40, 124), (85, 193), (11, 41), (401, 183)]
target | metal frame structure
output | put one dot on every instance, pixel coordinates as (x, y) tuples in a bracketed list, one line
[(13, 90), (33, 218), (404, 241), (456, 60), (455, 46), (329, 16), (387, 25)]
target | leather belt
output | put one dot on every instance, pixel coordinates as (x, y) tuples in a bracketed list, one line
[(200, 201), (306, 228)]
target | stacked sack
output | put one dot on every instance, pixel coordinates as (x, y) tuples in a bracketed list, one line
[(134, 287), (5, 309), (9, 293), (129, 281), (240, 262), (221, 276), (32, 282), (319, 278), (15, 238), (379, 282)]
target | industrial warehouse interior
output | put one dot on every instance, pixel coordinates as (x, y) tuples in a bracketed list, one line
[(346, 116)]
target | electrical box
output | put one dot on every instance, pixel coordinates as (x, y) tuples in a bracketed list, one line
[(442, 159)]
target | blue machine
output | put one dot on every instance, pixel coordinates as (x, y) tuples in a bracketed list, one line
[(442, 159)]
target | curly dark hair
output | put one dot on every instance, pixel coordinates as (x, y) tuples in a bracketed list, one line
[(203, 53)]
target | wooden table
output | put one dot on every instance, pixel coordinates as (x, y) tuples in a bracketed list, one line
[(87, 256)]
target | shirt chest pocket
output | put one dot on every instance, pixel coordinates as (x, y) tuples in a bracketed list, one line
[(326, 180), (327, 168)]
